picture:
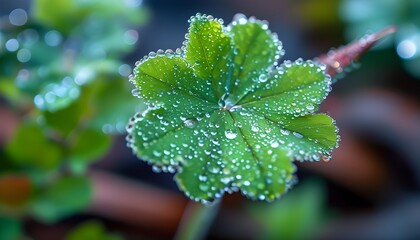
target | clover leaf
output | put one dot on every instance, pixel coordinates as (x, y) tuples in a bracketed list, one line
[(224, 117)]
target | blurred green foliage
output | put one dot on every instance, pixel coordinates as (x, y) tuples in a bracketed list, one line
[(91, 230), (298, 215), (62, 198), (10, 228), (374, 15), (61, 72)]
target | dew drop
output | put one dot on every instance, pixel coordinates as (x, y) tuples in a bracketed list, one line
[(156, 169), (178, 51), (190, 123), (225, 180), (240, 18), (202, 178), (169, 53), (160, 52), (157, 153), (285, 132), (263, 78), (287, 63), (298, 135), (152, 54), (214, 170), (135, 92), (310, 107), (203, 187), (230, 134), (255, 128)]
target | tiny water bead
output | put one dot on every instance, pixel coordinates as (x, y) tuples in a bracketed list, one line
[(263, 78), (190, 123), (135, 92), (298, 135), (230, 134), (224, 116)]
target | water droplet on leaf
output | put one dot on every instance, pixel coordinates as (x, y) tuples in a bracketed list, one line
[(230, 134)]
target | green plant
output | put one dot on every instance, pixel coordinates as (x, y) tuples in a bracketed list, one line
[(224, 117), (62, 77)]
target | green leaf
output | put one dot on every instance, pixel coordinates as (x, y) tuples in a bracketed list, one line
[(57, 96), (9, 90), (92, 230), (66, 15), (89, 145), (224, 117), (209, 52), (113, 105), (65, 120), (63, 198), (252, 60), (10, 228), (31, 147)]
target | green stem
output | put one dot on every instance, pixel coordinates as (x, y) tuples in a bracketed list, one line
[(196, 221)]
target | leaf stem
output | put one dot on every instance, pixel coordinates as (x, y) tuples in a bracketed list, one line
[(337, 60), (196, 220)]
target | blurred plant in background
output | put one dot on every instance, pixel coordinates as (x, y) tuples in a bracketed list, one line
[(297, 216), (374, 15), (61, 74)]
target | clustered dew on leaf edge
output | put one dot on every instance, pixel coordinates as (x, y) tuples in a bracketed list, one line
[(224, 117)]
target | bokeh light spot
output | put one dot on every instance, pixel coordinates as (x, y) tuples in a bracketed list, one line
[(12, 45), (18, 17), (24, 55), (406, 49)]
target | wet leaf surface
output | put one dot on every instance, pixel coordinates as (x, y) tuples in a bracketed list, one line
[(224, 116)]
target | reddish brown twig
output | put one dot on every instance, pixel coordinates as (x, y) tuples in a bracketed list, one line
[(338, 60)]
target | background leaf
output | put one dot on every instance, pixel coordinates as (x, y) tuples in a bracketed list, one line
[(30, 146), (89, 145), (15, 190), (10, 228), (297, 216), (91, 230), (63, 198)]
